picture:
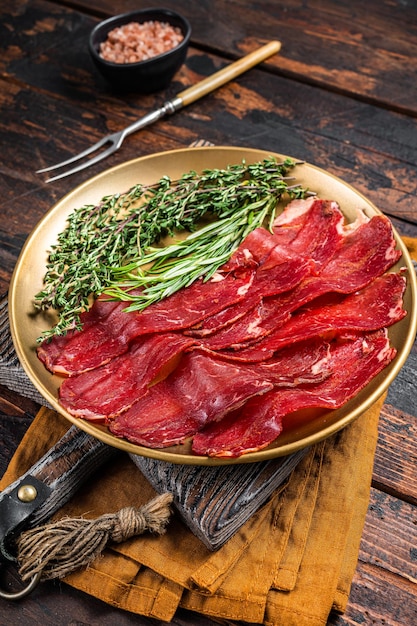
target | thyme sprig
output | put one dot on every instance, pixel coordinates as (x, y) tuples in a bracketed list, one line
[(111, 247)]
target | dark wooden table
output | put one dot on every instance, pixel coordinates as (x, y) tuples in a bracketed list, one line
[(342, 94)]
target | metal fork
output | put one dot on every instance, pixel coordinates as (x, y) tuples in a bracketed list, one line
[(189, 95)]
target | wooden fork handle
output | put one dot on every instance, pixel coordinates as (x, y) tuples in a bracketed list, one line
[(228, 73)]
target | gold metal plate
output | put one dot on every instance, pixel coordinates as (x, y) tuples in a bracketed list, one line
[(30, 269)]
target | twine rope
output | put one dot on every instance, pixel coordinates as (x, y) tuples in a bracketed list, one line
[(59, 548)]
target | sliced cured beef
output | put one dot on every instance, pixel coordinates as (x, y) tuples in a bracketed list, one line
[(282, 267), (279, 270), (258, 322), (281, 275), (97, 343), (224, 318), (311, 232), (105, 337), (92, 347), (378, 305), (102, 311), (112, 388), (292, 220), (204, 388), (301, 364), (365, 252), (256, 246), (315, 232), (260, 421)]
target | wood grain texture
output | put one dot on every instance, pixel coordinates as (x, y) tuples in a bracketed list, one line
[(378, 598), (395, 468), (216, 501), (384, 583), (343, 148), (341, 94), (390, 536), (330, 44), (354, 142)]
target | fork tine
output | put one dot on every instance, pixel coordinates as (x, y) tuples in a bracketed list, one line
[(101, 142), (87, 163)]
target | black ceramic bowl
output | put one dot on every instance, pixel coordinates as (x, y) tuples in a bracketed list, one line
[(146, 76)]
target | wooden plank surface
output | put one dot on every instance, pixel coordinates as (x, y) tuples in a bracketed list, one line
[(342, 94), (395, 468), (331, 44)]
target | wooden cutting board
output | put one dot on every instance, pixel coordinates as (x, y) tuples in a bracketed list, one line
[(215, 502)]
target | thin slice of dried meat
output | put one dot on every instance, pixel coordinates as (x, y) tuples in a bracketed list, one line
[(312, 228), (364, 253), (98, 343), (278, 278), (204, 388), (112, 388), (378, 305), (102, 312), (260, 421)]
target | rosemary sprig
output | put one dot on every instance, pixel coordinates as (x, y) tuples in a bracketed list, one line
[(180, 264), (104, 248)]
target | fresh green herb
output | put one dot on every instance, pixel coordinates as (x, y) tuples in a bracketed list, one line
[(110, 247)]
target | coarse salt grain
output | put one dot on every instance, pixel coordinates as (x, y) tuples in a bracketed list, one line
[(136, 41)]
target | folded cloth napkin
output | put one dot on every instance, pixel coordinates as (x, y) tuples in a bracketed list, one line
[(291, 563)]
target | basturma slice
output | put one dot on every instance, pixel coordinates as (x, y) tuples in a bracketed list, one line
[(204, 388), (99, 342), (104, 313), (259, 422), (107, 329), (110, 336), (313, 242), (366, 251), (239, 318), (192, 395), (378, 305), (310, 228), (112, 388)]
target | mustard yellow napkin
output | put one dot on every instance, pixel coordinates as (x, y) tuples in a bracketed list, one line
[(291, 563)]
